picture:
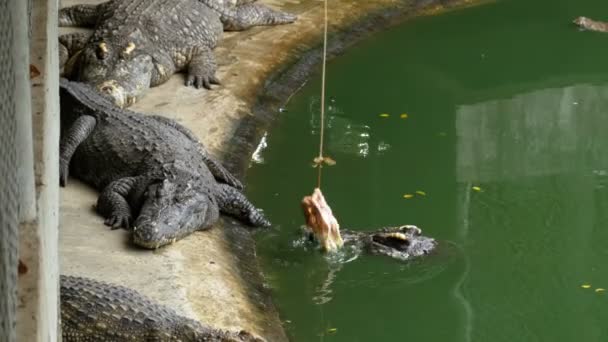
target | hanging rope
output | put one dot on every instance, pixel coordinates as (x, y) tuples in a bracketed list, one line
[(321, 134), (318, 214), (320, 159)]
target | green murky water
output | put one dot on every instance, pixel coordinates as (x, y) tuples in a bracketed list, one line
[(507, 97)]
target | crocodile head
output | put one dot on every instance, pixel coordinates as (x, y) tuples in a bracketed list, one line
[(171, 209), (120, 69), (402, 242)]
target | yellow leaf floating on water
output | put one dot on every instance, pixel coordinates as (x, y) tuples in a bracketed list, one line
[(332, 330), (406, 196), (476, 188), (421, 193), (403, 116), (329, 161), (586, 286), (384, 115), (599, 289)]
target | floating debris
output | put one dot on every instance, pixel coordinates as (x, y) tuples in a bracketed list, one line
[(476, 188), (403, 116), (421, 193), (384, 115), (586, 286), (318, 161), (408, 196), (332, 330), (382, 146)]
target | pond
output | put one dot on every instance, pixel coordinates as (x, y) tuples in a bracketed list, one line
[(505, 138)]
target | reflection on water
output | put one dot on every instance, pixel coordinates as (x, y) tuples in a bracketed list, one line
[(540, 133), (257, 156), (539, 156), (344, 134)]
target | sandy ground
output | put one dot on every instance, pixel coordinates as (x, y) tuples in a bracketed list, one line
[(211, 276)]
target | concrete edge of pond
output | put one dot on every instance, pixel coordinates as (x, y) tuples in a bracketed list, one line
[(213, 276)]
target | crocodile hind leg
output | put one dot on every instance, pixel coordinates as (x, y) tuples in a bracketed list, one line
[(247, 15), (71, 139), (81, 15), (201, 69), (218, 171), (233, 202)]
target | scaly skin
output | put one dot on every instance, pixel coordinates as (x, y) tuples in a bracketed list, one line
[(591, 25), (98, 311), (139, 44), (153, 174), (401, 243)]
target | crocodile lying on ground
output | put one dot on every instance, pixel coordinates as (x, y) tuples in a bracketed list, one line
[(98, 311), (402, 243), (139, 44), (591, 25), (147, 167)]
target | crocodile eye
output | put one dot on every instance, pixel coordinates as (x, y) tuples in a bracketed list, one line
[(102, 51), (130, 47)]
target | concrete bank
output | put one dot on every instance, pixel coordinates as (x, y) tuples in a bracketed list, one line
[(213, 275)]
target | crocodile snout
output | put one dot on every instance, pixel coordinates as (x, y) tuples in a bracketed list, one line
[(115, 92)]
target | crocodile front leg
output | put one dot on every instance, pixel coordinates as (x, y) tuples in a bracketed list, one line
[(123, 198), (247, 15), (201, 69), (112, 203), (217, 169), (233, 202), (73, 137), (81, 15), (69, 45)]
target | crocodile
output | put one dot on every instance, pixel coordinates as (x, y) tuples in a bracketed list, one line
[(401, 242), (93, 310), (154, 175), (137, 44), (591, 25)]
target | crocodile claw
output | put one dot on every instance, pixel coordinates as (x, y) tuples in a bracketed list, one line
[(232, 181), (201, 81), (284, 18), (118, 221), (64, 170)]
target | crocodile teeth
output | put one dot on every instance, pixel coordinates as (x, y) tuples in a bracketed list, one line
[(398, 236)]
